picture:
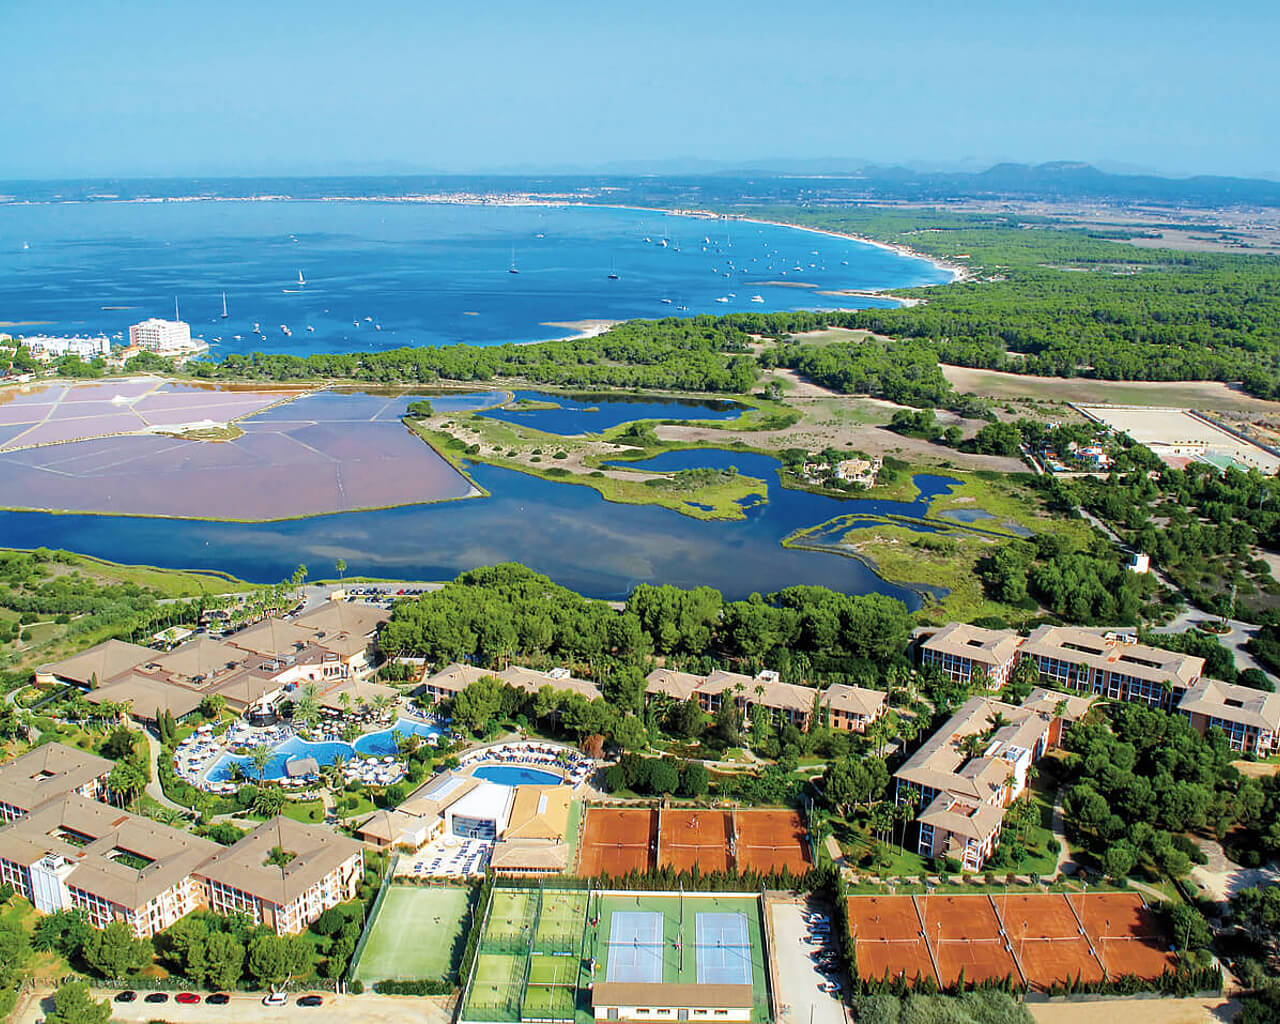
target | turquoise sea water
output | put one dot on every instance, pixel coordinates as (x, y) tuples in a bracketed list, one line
[(382, 274)]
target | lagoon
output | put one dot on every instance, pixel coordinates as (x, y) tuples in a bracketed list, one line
[(567, 531)]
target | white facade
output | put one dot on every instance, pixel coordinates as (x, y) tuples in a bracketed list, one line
[(49, 892), (161, 336), (85, 348)]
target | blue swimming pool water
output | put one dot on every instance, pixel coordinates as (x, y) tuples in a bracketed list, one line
[(383, 744), (376, 744), (516, 775)]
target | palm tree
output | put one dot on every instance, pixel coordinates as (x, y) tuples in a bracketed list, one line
[(260, 757), (972, 745)]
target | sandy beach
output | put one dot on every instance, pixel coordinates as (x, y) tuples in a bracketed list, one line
[(581, 328)]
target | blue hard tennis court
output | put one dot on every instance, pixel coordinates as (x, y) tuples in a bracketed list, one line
[(635, 948), (723, 949)]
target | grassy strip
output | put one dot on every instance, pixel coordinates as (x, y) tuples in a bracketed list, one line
[(491, 440)]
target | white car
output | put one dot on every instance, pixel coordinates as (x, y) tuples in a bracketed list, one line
[(275, 999)]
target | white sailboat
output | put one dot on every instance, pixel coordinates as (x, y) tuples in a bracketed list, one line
[(224, 305), (513, 269), (301, 279)]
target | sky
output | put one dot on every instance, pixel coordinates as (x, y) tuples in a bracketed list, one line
[(142, 88)]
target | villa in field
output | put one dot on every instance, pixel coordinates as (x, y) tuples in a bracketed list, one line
[(851, 708), (331, 647)]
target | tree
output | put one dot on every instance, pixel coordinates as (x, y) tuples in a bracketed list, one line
[(476, 706), (113, 952), (73, 1005), (686, 720), (260, 757), (223, 960), (664, 777), (695, 780), (64, 932), (127, 780), (629, 733), (273, 959), (1118, 860), (268, 801)]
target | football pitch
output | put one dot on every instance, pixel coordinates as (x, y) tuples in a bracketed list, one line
[(418, 934)]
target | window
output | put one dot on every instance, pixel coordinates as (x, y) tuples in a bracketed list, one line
[(682, 1014), (722, 1013), (613, 1013)]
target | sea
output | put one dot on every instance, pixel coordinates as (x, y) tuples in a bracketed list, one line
[(341, 274), (341, 266)]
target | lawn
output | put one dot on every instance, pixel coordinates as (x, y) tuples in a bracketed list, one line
[(419, 933)]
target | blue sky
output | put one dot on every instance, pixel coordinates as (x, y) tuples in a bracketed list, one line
[(281, 86)]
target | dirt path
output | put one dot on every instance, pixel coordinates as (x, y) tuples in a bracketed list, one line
[(1192, 394), (1148, 1011)]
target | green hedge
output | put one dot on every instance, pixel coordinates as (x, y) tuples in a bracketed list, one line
[(415, 987)]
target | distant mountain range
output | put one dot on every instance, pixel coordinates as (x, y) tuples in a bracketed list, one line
[(827, 181), (1067, 180)]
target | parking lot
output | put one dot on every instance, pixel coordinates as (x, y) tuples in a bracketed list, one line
[(368, 1009), (803, 951)]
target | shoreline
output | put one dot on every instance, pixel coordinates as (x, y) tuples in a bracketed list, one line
[(958, 273), (587, 328)]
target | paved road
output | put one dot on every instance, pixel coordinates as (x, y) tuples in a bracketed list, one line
[(800, 1001), (367, 1009)]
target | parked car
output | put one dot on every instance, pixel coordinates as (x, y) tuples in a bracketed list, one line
[(218, 999), (157, 997), (186, 998), (310, 1001), (127, 996), (275, 999)]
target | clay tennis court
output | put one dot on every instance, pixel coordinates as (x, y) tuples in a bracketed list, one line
[(769, 841), (700, 838), (617, 840), (969, 939), (1045, 936), (1126, 935), (886, 934)]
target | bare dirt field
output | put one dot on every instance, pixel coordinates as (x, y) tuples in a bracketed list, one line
[(845, 421), (1214, 1010), (1188, 394)]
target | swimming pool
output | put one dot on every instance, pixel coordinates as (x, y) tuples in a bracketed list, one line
[(383, 744), (516, 775), (376, 744)]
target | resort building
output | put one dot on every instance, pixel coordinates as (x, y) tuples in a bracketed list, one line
[(534, 840), (44, 348), (383, 829), (1063, 709), (48, 772), (90, 669), (78, 854), (964, 784), (284, 874), (639, 1001), (164, 337), (454, 678), (1112, 666), (331, 647), (851, 708), (957, 650), (1250, 718)]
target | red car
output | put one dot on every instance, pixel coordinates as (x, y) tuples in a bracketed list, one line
[(187, 998)]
